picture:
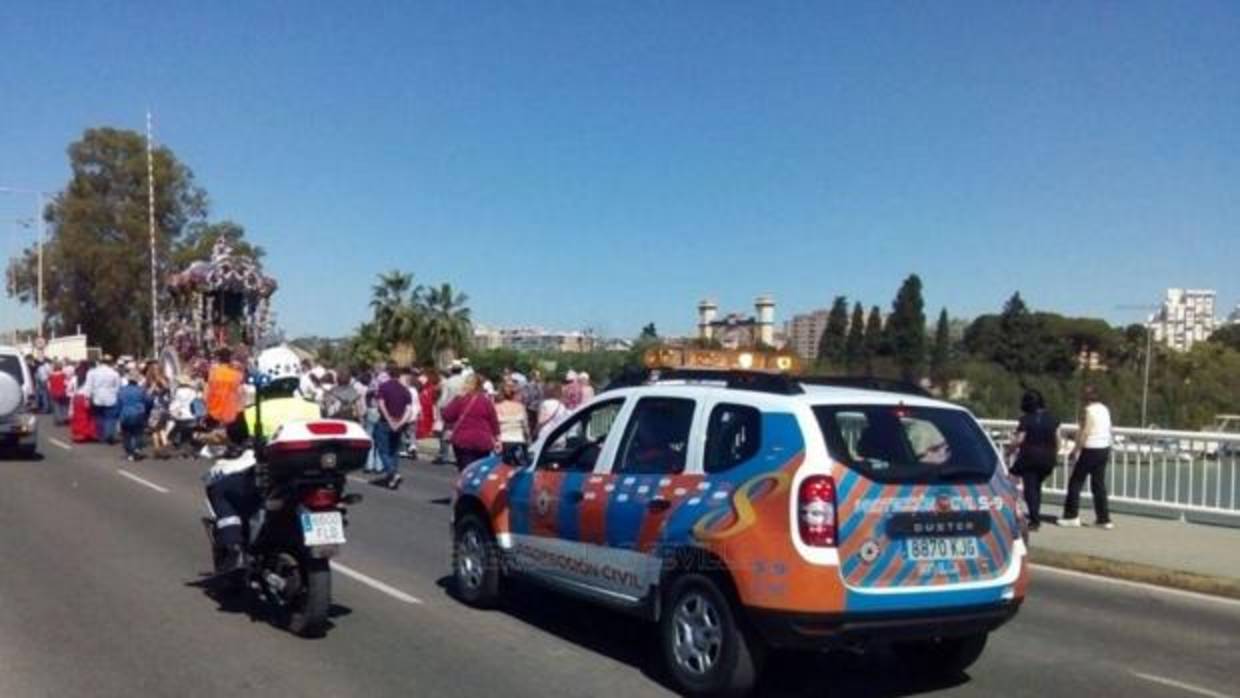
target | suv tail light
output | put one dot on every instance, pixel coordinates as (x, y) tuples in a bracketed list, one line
[(816, 511), (319, 499)]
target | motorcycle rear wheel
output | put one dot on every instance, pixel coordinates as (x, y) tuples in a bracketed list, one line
[(306, 612)]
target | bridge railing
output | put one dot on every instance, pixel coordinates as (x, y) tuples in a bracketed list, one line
[(1191, 474)]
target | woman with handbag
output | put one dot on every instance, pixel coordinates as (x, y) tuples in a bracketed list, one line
[(1036, 444), (474, 423)]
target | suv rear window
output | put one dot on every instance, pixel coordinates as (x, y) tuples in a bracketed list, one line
[(907, 444), (12, 365)]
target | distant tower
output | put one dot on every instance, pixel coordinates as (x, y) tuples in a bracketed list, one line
[(707, 310), (765, 306)]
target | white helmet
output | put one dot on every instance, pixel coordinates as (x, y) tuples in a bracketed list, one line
[(279, 362)]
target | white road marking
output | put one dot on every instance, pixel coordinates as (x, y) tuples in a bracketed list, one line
[(140, 481), (1171, 591), (1188, 687), (60, 444), (376, 584), (359, 480)]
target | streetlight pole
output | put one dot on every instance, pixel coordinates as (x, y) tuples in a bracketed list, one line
[(38, 223), (1145, 386), (1149, 354)]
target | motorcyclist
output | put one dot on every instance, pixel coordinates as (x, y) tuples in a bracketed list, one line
[(230, 482), (233, 495)]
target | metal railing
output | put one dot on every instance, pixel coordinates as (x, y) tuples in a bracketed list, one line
[(1179, 472)]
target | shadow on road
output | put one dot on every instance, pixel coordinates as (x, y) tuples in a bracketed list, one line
[(12, 455), (229, 598), (634, 641)]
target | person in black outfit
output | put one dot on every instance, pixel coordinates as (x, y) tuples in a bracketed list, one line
[(1036, 443)]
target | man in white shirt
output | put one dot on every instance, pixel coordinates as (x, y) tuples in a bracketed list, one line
[(102, 385), (1092, 452)]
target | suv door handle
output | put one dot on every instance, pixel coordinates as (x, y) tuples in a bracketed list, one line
[(576, 496), (658, 504)]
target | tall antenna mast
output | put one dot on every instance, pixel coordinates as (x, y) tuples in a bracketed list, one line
[(150, 214)]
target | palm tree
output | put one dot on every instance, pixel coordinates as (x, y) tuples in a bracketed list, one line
[(446, 328), (395, 302)]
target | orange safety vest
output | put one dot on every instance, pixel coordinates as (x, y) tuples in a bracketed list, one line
[(224, 393)]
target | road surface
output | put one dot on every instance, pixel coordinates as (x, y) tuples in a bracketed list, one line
[(98, 598)]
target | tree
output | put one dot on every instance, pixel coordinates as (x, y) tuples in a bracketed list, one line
[(396, 309), (97, 271), (873, 339), (854, 345), (906, 329), (1017, 348), (649, 333), (1228, 336), (831, 344), (940, 352), (446, 328)]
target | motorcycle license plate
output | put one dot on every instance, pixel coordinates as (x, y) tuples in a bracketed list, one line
[(322, 527), (935, 549)]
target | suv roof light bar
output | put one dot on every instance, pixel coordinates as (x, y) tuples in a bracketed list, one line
[(759, 381)]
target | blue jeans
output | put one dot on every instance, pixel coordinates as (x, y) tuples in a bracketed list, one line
[(372, 458), (387, 447), (132, 437), (105, 421)]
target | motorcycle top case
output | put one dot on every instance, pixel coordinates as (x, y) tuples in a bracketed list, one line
[(314, 449)]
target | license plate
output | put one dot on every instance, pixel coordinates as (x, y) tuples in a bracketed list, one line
[(932, 549), (322, 527)]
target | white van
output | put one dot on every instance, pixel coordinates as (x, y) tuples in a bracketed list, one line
[(19, 426)]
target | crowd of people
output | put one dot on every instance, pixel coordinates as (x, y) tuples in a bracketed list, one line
[(460, 415), (129, 402)]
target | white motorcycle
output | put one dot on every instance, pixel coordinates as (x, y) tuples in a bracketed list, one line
[(300, 478)]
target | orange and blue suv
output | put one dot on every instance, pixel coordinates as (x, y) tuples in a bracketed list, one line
[(745, 511)]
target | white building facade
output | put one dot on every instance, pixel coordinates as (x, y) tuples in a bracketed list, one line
[(1186, 317), (805, 332), (533, 339)]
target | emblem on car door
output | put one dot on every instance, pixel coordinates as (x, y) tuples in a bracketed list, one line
[(543, 503)]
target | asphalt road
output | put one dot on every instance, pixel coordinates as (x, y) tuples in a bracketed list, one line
[(98, 598)]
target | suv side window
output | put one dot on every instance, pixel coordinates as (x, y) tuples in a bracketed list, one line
[(12, 365), (733, 436), (576, 444), (656, 440)]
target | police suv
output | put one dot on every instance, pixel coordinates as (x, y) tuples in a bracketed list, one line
[(744, 510)]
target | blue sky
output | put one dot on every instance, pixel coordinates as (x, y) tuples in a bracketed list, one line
[(605, 164)]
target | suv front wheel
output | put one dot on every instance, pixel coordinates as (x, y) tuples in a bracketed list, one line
[(704, 647), (475, 562)]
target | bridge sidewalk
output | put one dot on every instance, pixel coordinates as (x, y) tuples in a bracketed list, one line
[(1196, 557)]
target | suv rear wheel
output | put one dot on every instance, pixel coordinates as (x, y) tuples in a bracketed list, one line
[(704, 647), (945, 656)]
